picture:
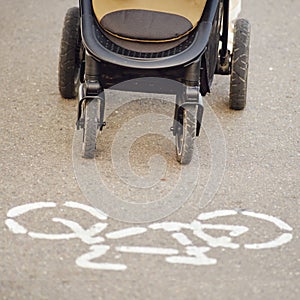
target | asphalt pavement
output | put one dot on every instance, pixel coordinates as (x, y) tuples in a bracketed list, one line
[(229, 225)]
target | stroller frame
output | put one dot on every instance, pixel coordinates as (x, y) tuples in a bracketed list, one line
[(102, 65)]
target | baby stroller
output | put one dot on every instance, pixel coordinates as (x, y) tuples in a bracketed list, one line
[(108, 42)]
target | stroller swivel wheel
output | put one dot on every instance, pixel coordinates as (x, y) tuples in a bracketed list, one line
[(239, 65), (69, 57), (186, 133), (91, 109)]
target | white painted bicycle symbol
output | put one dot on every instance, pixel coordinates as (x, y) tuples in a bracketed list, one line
[(186, 235)]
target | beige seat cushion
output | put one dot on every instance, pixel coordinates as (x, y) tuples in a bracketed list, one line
[(148, 20)]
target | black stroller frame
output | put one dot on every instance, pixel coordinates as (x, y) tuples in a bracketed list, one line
[(101, 64)]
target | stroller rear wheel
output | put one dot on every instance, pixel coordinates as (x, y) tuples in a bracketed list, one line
[(91, 109), (239, 65), (186, 133), (69, 57)]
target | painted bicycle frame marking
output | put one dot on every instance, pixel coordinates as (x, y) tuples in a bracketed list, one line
[(192, 254)]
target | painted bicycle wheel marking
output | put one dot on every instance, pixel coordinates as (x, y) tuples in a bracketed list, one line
[(186, 235)]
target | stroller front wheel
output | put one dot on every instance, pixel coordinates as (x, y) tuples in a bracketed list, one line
[(186, 133), (91, 110)]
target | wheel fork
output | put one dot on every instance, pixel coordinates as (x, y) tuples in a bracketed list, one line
[(88, 91), (191, 96)]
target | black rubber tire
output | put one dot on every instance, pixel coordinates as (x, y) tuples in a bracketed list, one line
[(91, 111), (186, 134), (69, 57), (239, 65)]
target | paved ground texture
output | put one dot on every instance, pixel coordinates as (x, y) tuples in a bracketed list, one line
[(241, 241)]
